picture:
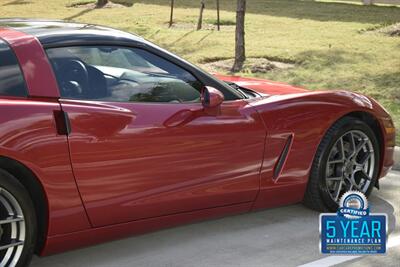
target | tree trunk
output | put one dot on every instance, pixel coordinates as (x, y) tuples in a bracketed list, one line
[(200, 22), (218, 22), (240, 55), (101, 3), (171, 17)]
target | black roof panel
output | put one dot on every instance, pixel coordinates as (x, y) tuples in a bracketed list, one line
[(53, 32)]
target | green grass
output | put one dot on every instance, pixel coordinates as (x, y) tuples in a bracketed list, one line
[(330, 41)]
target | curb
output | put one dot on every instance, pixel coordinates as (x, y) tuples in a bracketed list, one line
[(396, 165)]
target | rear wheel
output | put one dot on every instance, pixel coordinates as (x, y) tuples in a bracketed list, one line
[(17, 223), (347, 159)]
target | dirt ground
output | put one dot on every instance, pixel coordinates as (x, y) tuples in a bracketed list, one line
[(252, 65)]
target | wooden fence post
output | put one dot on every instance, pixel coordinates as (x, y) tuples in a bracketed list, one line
[(200, 22), (218, 22), (171, 17)]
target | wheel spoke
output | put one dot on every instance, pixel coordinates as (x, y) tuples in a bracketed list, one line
[(342, 149), (353, 144), (335, 161), (339, 189), (359, 167), (335, 178), (11, 220), (13, 243)]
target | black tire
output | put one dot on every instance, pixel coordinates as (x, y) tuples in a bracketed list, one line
[(317, 196), (10, 185)]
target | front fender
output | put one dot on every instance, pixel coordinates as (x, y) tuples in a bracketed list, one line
[(305, 117)]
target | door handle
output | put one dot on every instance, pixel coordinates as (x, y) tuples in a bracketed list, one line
[(63, 123)]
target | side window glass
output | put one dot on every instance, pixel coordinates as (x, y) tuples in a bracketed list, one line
[(110, 73), (12, 82)]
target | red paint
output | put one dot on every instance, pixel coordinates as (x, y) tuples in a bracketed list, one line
[(28, 135), (130, 166), (34, 64), (140, 167), (262, 86)]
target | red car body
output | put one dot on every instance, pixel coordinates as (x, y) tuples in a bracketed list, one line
[(131, 168)]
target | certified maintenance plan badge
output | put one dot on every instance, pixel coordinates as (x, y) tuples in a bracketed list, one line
[(353, 230)]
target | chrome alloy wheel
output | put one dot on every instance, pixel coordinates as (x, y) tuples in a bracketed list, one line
[(12, 229), (350, 165)]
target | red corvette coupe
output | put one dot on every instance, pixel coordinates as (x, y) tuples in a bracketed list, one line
[(103, 134)]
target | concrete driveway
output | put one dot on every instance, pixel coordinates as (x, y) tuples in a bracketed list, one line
[(286, 236)]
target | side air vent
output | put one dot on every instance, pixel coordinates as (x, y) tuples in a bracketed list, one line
[(282, 157)]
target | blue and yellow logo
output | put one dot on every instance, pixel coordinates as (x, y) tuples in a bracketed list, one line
[(353, 230)]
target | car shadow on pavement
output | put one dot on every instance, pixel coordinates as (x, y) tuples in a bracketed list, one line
[(280, 235), (379, 205)]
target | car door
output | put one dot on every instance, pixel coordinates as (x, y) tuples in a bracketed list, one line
[(141, 143)]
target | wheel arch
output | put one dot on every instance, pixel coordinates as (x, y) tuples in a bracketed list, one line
[(32, 184)]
